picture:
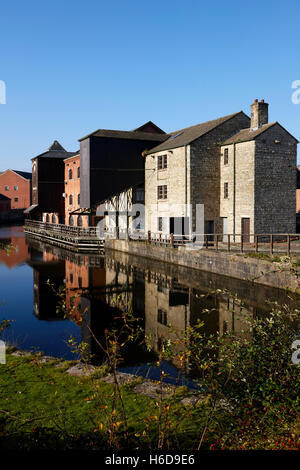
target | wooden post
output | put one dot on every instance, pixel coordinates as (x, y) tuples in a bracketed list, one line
[(217, 242), (149, 237), (256, 243), (289, 244), (242, 239), (228, 242), (271, 244), (206, 241), (172, 240)]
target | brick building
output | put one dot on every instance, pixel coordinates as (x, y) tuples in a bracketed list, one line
[(241, 170), (16, 185), (72, 193), (48, 184)]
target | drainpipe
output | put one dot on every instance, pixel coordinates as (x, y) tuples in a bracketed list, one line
[(234, 188), (185, 170)]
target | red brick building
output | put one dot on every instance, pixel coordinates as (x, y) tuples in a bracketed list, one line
[(16, 185)]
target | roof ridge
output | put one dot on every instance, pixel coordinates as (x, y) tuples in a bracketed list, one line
[(228, 116)]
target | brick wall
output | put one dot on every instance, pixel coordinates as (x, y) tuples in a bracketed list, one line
[(19, 189)]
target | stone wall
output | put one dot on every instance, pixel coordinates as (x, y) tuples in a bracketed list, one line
[(175, 177), (192, 177), (240, 204), (275, 182), (205, 168), (227, 264)]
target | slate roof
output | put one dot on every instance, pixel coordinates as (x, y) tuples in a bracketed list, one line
[(248, 134), (189, 134), (134, 135), (25, 174), (56, 151), (4, 198), (149, 125)]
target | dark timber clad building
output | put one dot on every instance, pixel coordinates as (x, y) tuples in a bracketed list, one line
[(111, 161), (48, 182)]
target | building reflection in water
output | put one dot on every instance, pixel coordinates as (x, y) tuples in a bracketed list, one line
[(100, 289), (19, 252)]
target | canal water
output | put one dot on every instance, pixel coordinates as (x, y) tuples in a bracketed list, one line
[(103, 287)]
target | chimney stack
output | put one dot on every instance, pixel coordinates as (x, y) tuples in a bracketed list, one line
[(259, 114)]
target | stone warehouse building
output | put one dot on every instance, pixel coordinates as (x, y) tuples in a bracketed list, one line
[(241, 170)]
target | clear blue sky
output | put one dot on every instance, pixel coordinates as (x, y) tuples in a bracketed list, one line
[(71, 67)]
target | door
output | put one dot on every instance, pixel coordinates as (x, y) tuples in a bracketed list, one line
[(209, 228), (246, 229), (180, 226), (225, 229)]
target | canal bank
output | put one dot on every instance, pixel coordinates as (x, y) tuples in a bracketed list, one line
[(280, 273)]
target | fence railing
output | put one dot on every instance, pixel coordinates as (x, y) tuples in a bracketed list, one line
[(82, 232), (281, 243)]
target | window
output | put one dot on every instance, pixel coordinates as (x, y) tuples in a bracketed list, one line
[(139, 196), (71, 220), (6, 188), (47, 218), (226, 157), (16, 188), (16, 199), (70, 200), (80, 282), (162, 317), (70, 174), (71, 277), (225, 190), (162, 162), (162, 192), (162, 224), (78, 172), (53, 219), (79, 221), (78, 199)]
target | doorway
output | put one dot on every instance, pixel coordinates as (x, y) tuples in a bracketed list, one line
[(246, 229)]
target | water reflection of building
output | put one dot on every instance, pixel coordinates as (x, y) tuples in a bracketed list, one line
[(171, 307), (47, 279), (99, 290), (18, 249)]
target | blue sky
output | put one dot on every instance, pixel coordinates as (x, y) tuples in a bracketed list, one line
[(72, 67)]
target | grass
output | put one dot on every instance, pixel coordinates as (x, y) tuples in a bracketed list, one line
[(39, 402), (42, 407), (264, 256)]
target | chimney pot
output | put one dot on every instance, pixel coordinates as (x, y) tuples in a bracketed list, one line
[(262, 101), (256, 100)]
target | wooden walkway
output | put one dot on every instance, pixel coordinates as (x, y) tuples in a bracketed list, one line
[(78, 239)]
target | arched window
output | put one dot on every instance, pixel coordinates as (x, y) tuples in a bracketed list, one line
[(71, 220), (70, 174), (79, 221), (78, 199), (47, 219), (70, 199), (78, 172), (53, 219)]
